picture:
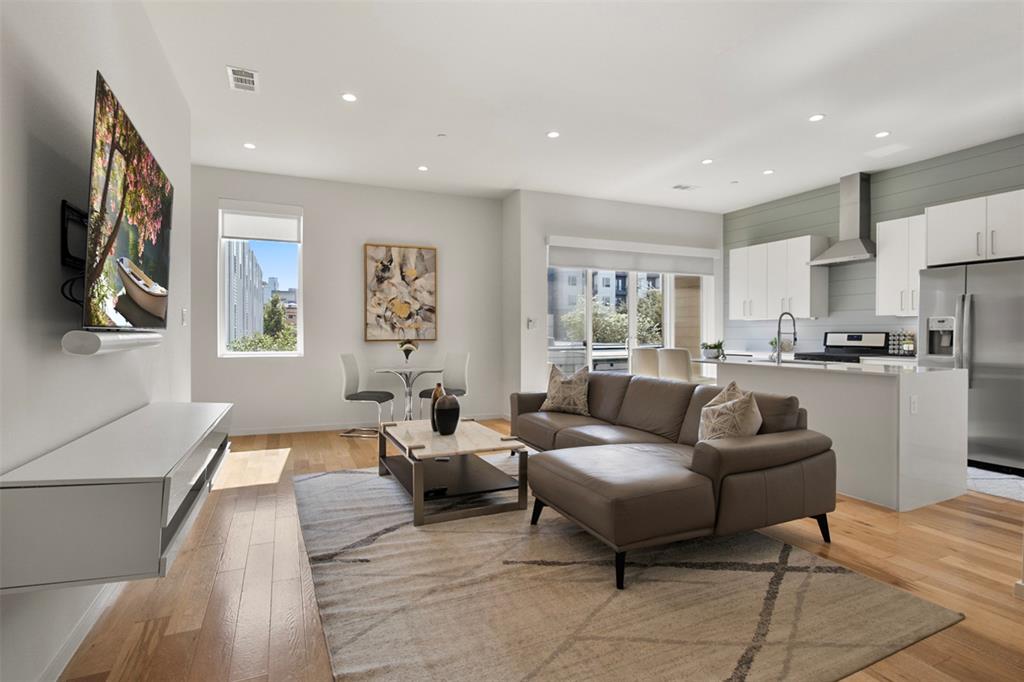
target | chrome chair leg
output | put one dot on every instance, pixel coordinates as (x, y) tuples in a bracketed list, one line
[(366, 431)]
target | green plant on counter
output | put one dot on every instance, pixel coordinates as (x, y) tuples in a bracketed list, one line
[(712, 345)]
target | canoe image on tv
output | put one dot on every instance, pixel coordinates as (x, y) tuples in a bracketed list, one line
[(127, 259)]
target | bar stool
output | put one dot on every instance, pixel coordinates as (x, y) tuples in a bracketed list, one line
[(351, 394), (454, 378)]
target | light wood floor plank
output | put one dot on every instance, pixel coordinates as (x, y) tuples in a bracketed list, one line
[(252, 634), (212, 659), (239, 602)]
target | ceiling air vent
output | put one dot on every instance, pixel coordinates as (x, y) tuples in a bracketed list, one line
[(245, 80), (684, 188)]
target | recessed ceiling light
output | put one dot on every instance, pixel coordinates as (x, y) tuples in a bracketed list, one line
[(422, 169), (734, 182), (249, 145), (552, 134), (442, 134), (814, 118), (767, 171), (348, 97), (882, 133), (707, 162)]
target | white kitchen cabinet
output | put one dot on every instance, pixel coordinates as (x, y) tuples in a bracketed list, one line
[(984, 228), (766, 280), (806, 285), (747, 273), (757, 278), (957, 232), (738, 283), (1005, 223), (917, 232), (777, 278), (900, 247)]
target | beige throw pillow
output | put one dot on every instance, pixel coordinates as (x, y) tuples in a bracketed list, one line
[(567, 394), (730, 414)]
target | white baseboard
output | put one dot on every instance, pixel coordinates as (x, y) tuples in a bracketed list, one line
[(334, 426), (106, 596), (1018, 589)]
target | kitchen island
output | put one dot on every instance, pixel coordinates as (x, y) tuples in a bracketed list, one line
[(899, 433)]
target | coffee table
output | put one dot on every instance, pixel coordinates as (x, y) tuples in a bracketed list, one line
[(435, 467)]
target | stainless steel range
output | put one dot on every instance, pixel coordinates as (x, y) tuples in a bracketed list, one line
[(849, 347)]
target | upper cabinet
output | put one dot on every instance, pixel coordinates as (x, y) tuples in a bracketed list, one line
[(1005, 222), (977, 229), (747, 277), (901, 256), (766, 280)]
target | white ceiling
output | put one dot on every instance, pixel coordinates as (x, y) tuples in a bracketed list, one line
[(640, 92)]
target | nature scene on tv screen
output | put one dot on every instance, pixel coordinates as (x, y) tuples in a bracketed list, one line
[(128, 249)]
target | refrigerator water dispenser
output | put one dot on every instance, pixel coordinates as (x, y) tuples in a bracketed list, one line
[(940, 335)]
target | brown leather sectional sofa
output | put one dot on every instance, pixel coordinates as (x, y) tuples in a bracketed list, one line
[(634, 475)]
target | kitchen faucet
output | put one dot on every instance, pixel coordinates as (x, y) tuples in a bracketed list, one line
[(778, 336)]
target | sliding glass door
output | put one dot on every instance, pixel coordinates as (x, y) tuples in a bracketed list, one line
[(596, 316), (609, 315), (567, 319)]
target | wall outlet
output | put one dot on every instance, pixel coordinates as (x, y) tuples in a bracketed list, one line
[(913, 404)]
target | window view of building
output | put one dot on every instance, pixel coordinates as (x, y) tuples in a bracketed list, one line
[(244, 291), (620, 316), (260, 289)]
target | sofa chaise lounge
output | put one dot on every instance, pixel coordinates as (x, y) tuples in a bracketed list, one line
[(634, 475)]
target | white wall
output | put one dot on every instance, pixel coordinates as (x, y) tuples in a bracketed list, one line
[(50, 55), (511, 295), (287, 394), (541, 215)]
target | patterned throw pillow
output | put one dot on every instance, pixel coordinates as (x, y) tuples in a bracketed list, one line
[(730, 414), (567, 394)]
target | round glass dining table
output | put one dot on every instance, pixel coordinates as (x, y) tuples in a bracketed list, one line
[(408, 375)]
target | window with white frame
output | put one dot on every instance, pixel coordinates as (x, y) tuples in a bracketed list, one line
[(259, 279)]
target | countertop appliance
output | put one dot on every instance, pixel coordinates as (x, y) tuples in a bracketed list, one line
[(972, 317), (849, 347)]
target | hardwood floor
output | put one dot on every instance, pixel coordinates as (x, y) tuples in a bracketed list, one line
[(238, 603)]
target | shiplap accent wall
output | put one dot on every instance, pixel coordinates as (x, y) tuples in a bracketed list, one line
[(895, 193)]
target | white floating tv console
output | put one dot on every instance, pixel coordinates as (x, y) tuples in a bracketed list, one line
[(113, 505)]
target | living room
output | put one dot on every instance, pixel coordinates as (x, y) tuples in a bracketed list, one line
[(511, 340)]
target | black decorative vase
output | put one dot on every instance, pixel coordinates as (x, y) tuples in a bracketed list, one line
[(446, 414)]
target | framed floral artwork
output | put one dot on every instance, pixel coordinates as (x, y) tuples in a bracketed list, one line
[(400, 292)]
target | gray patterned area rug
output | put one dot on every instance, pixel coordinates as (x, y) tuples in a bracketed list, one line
[(493, 598)]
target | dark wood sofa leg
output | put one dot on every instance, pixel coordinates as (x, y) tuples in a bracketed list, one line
[(537, 507), (822, 520), (620, 569)]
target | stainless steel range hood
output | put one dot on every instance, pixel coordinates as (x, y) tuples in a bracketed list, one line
[(854, 223)]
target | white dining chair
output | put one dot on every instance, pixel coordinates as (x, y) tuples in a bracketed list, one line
[(454, 378), (675, 363), (351, 394), (644, 362)]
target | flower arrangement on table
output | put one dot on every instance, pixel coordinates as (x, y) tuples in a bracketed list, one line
[(407, 346)]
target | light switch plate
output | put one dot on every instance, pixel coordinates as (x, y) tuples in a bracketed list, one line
[(913, 404), (184, 317)]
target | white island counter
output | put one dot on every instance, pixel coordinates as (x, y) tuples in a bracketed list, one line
[(900, 433)]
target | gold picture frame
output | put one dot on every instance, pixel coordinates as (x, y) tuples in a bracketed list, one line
[(399, 292)]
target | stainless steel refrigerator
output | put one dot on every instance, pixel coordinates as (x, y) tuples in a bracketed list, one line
[(972, 317)]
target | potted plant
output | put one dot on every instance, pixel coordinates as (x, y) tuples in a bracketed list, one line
[(712, 350)]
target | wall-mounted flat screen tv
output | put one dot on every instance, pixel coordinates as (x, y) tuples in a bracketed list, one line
[(128, 246)]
